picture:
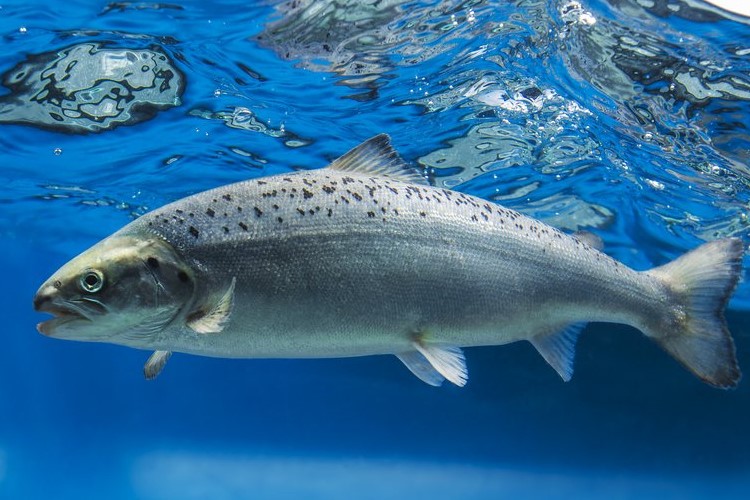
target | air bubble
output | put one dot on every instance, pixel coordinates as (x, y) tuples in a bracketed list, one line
[(57, 151)]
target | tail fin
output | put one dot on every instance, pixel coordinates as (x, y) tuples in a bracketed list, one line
[(702, 282)]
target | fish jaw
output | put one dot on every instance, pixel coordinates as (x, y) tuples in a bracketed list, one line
[(66, 318)]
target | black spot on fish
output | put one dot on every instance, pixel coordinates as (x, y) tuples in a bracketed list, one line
[(179, 211), (423, 214), (153, 262), (243, 226), (225, 228), (216, 201), (301, 212), (191, 214), (227, 197), (307, 193), (275, 207), (330, 212), (356, 196), (279, 219), (239, 209), (312, 212), (329, 189), (258, 211), (371, 214), (150, 223), (262, 183), (210, 212), (193, 231), (395, 211)]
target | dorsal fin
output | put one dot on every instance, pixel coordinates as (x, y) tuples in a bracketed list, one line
[(376, 156)]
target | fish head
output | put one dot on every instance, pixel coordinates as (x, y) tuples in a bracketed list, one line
[(123, 290)]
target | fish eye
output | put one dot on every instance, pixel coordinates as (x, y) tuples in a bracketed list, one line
[(92, 281)]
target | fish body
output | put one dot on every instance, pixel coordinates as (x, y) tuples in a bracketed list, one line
[(365, 257)]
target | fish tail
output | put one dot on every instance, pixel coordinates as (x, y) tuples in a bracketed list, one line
[(694, 330)]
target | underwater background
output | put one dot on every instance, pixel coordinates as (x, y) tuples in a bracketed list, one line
[(627, 118)]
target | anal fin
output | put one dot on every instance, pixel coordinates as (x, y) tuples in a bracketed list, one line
[(558, 348), (155, 364)]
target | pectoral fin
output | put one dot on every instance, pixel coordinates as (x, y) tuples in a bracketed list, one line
[(155, 364), (215, 319), (447, 360), (558, 348)]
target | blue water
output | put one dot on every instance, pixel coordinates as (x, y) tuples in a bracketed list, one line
[(627, 118)]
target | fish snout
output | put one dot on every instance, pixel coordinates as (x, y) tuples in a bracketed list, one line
[(44, 303), (44, 298), (48, 300)]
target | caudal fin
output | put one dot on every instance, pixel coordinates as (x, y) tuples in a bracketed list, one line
[(702, 281)]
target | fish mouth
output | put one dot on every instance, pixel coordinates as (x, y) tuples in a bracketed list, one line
[(62, 316), (80, 310)]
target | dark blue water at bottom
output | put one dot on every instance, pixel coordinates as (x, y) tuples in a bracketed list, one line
[(626, 118)]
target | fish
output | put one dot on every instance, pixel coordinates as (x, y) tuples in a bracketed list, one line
[(366, 257)]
